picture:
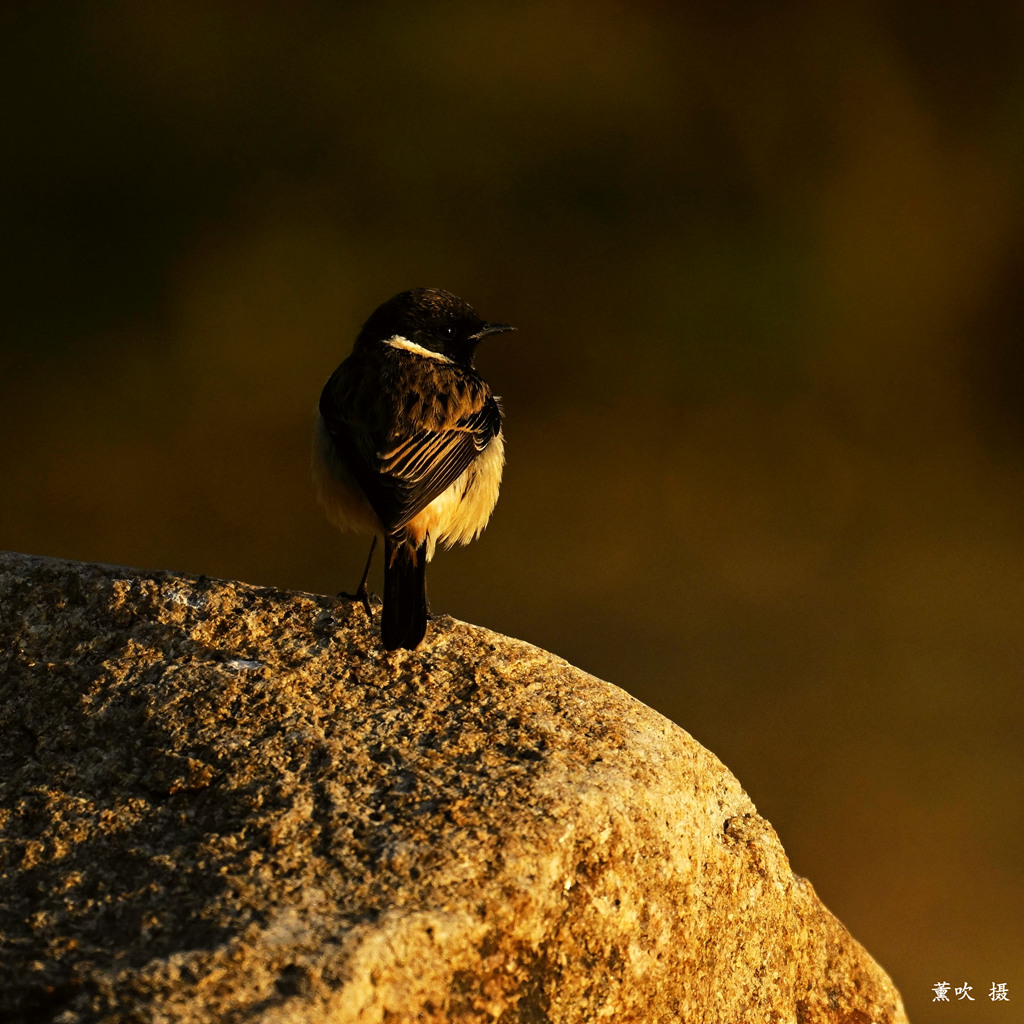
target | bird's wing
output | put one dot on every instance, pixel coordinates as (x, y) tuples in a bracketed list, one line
[(420, 466), (402, 471)]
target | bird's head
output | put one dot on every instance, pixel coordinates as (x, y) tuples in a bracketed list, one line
[(430, 319)]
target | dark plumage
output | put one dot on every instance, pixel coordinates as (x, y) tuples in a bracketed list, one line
[(409, 445)]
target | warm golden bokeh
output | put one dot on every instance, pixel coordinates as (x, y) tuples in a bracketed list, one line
[(763, 408)]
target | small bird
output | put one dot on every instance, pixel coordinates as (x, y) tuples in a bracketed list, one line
[(408, 445)]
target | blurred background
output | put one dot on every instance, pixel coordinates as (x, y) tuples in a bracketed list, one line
[(763, 410)]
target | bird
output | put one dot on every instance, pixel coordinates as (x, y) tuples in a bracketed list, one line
[(408, 445)]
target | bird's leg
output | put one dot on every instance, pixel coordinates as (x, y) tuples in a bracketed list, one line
[(362, 594)]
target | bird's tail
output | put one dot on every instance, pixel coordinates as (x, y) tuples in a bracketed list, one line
[(404, 619)]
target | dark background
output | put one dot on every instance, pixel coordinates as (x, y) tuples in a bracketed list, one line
[(763, 409)]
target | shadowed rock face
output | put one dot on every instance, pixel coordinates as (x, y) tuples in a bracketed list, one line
[(226, 803)]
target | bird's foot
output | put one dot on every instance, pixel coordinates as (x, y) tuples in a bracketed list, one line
[(364, 597)]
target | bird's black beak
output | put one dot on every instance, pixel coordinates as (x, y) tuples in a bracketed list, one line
[(491, 328)]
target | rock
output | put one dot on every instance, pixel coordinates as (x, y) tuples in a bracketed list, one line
[(227, 803)]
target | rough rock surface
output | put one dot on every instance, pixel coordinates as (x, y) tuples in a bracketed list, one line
[(227, 803)]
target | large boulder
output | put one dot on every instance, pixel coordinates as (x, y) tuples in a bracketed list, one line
[(227, 803)]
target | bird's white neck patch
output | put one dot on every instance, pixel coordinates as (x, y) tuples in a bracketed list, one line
[(410, 346)]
